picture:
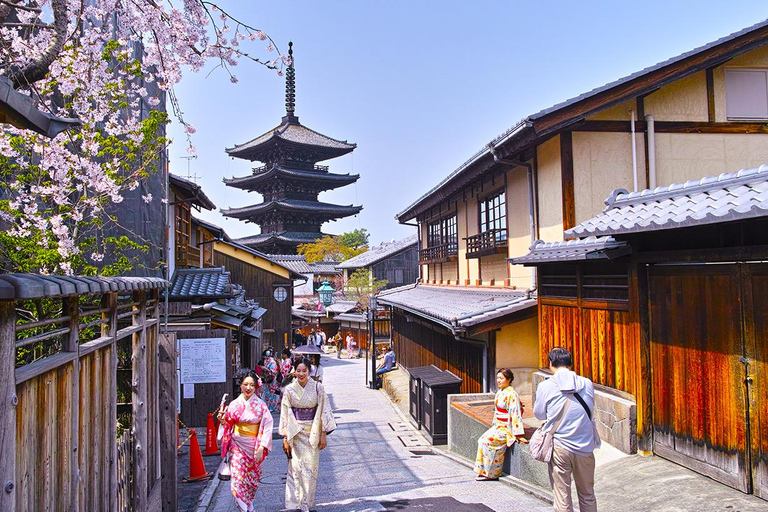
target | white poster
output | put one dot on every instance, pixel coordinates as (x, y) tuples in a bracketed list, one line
[(189, 391), (203, 360)]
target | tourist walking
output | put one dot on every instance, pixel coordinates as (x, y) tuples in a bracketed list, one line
[(350, 341), (316, 372), (574, 441), (247, 440), (271, 389), (285, 364), (305, 420), (507, 428)]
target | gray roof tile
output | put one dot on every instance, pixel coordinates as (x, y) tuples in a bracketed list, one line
[(573, 250), (728, 197), (457, 307), (379, 252), (200, 283)]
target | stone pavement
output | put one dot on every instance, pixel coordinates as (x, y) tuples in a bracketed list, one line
[(375, 461)]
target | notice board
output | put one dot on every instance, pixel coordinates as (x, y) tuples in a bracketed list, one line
[(203, 360)]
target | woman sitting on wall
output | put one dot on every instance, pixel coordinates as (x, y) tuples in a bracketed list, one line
[(506, 429)]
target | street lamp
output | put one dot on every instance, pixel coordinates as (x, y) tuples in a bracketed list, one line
[(325, 291)]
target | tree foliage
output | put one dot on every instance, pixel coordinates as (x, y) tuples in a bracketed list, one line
[(112, 64), (361, 285), (329, 248), (355, 239)]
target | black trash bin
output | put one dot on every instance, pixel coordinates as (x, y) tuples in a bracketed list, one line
[(414, 389), (434, 394)]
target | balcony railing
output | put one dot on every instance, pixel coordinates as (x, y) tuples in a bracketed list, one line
[(439, 253), (493, 241)]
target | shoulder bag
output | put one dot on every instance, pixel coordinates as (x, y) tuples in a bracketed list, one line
[(597, 441), (543, 442)]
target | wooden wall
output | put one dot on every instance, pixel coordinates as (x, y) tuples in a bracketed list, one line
[(399, 269), (259, 285), (419, 344)]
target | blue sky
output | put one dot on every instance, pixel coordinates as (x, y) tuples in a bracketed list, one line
[(420, 86)]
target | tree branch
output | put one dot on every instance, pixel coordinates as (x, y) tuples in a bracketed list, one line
[(37, 69)]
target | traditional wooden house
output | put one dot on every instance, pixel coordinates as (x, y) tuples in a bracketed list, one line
[(676, 289), (704, 111), (184, 195), (395, 261)]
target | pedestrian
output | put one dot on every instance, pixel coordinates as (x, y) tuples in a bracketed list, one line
[(574, 441), (316, 372), (285, 364), (305, 420), (350, 345), (270, 392), (507, 428), (387, 364), (247, 439)]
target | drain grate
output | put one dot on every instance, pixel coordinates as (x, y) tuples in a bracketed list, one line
[(422, 452), (412, 440), (400, 426)]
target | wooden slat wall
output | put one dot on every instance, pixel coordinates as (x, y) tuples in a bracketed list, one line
[(757, 345), (416, 344), (604, 345)]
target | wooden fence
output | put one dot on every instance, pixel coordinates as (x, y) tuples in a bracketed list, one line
[(59, 445)]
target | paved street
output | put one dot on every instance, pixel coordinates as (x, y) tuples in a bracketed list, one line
[(367, 466)]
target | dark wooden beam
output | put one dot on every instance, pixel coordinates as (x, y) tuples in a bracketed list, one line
[(672, 127), (566, 165), (751, 253), (640, 102), (710, 73)]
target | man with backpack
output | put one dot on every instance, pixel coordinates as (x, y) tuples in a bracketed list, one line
[(574, 440)]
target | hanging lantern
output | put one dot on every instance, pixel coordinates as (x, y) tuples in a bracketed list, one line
[(326, 293)]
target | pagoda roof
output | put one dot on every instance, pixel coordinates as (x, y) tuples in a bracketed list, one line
[(291, 134), (326, 210), (280, 238), (320, 175)]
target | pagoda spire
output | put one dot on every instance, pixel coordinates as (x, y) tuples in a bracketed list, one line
[(290, 88)]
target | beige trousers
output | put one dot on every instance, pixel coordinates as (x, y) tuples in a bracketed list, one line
[(565, 463)]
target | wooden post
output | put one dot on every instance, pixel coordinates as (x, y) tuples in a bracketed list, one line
[(168, 467), (109, 300), (72, 344), (8, 401), (139, 399)]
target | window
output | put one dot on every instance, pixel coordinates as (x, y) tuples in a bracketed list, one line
[(746, 93), (433, 234), (493, 215), (449, 233)]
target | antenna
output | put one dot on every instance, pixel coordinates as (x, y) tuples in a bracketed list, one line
[(189, 174)]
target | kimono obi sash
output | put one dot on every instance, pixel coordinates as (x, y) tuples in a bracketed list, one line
[(501, 414), (304, 413), (247, 429)]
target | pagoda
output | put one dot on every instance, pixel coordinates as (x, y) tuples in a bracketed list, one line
[(290, 181)]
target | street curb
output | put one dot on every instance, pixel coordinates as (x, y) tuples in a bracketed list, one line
[(207, 495), (507, 480)]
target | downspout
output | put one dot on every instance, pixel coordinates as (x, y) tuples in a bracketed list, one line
[(532, 221), (418, 253), (634, 150), (651, 152)]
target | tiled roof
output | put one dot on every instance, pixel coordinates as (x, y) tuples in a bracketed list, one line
[(379, 252), (342, 306), (524, 128), (324, 267), (728, 197), (257, 253), (351, 317), (211, 227), (200, 283), (286, 236), (262, 174), (295, 133), (193, 189), (456, 308), (296, 262), (293, 205), (573, 250)]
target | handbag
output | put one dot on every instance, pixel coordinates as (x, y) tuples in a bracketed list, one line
[(225, 473), (597, 442), (542, 442)]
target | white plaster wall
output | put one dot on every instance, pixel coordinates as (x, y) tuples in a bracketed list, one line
[(550, 191), (517, 344), (602, 162), (682, 100), (494, 267), (518, 234)]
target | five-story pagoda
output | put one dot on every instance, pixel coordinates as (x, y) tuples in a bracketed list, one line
[(290, 181)]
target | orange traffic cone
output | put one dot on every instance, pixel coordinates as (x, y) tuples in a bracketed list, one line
[(197, 470), (211, 447)]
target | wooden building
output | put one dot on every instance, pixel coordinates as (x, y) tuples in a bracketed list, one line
[(695, 114), (184, 196), (395, 261), (669, 304), (290, 181)]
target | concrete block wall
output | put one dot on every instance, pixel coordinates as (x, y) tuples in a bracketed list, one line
[(616, 417)]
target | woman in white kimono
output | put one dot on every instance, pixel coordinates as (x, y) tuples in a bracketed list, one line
[(305, 419)]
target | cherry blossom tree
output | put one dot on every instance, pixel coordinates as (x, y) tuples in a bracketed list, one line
[(111, 64)]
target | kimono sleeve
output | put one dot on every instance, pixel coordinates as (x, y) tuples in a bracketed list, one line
[(329, 423), (515, 415), (285, 410)]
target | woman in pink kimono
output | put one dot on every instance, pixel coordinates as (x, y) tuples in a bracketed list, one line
[(247, 439), (507, 428), (305, 419), (270, 393)]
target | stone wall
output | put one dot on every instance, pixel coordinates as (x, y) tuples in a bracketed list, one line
[(616, 416)]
